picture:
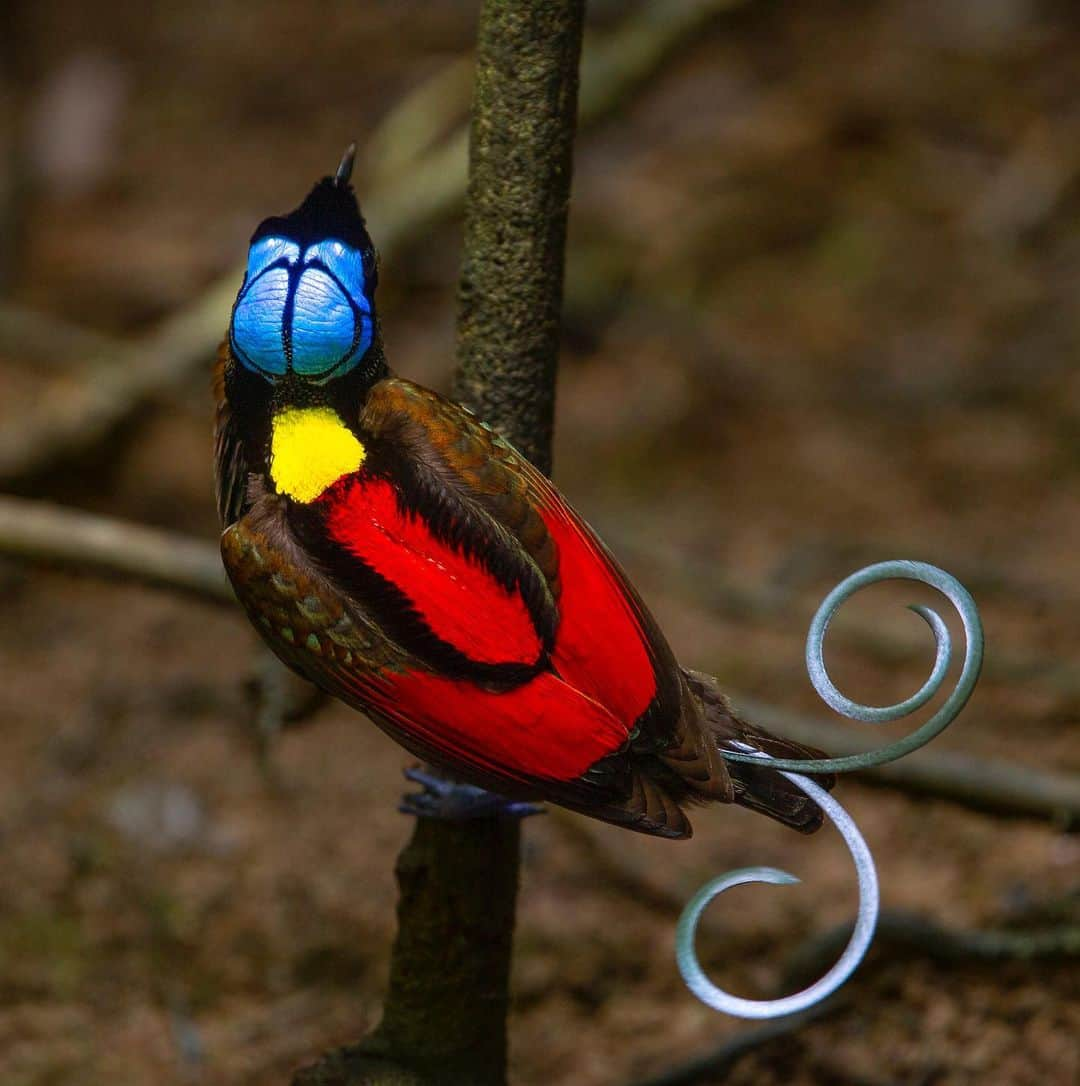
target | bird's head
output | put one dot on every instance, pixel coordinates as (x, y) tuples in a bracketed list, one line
[(306, 307)]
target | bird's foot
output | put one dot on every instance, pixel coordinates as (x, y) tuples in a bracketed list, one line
[(453, 801)]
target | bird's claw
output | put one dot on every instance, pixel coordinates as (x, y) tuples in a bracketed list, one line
[(453, 801)]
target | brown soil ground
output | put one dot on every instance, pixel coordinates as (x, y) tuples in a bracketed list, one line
[(822, 310)]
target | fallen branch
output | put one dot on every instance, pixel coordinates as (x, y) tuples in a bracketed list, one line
[(920, 937), (40, 532), (29, 336), (76, 412), (43, 533), (979, 783)]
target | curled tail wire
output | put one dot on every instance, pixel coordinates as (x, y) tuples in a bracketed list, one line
[(861, 937), (961, 599), (750, 756)]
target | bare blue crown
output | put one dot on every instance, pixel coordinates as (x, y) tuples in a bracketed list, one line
[(302, 311)]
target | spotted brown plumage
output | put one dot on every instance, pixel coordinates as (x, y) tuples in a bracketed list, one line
[(405, 558)]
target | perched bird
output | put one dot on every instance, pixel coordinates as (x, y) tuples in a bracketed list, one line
[(402, 556)]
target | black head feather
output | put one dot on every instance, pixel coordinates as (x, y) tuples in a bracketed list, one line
[(329, 211)]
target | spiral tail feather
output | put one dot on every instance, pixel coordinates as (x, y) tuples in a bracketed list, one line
[(759, 787)]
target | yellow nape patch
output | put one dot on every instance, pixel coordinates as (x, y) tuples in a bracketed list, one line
[(310, 448)]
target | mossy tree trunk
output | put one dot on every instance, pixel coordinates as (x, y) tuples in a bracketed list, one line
[(521, 153), (445, 1014)]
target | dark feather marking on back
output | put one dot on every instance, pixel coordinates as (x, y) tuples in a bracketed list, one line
[(394, 610), (465, 528)]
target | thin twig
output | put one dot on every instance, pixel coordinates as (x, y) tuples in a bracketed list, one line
[(72, 414), (416, 123)]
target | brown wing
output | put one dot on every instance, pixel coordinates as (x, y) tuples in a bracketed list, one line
[(331, 640)]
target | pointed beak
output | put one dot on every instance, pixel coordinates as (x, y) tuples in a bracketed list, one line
[(345, 168)]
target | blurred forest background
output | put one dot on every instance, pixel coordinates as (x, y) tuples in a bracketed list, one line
[(823, 275)]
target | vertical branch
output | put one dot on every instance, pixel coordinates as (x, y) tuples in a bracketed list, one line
[(445, 1013), (524, 117), (449, 983), (446, 1006)]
